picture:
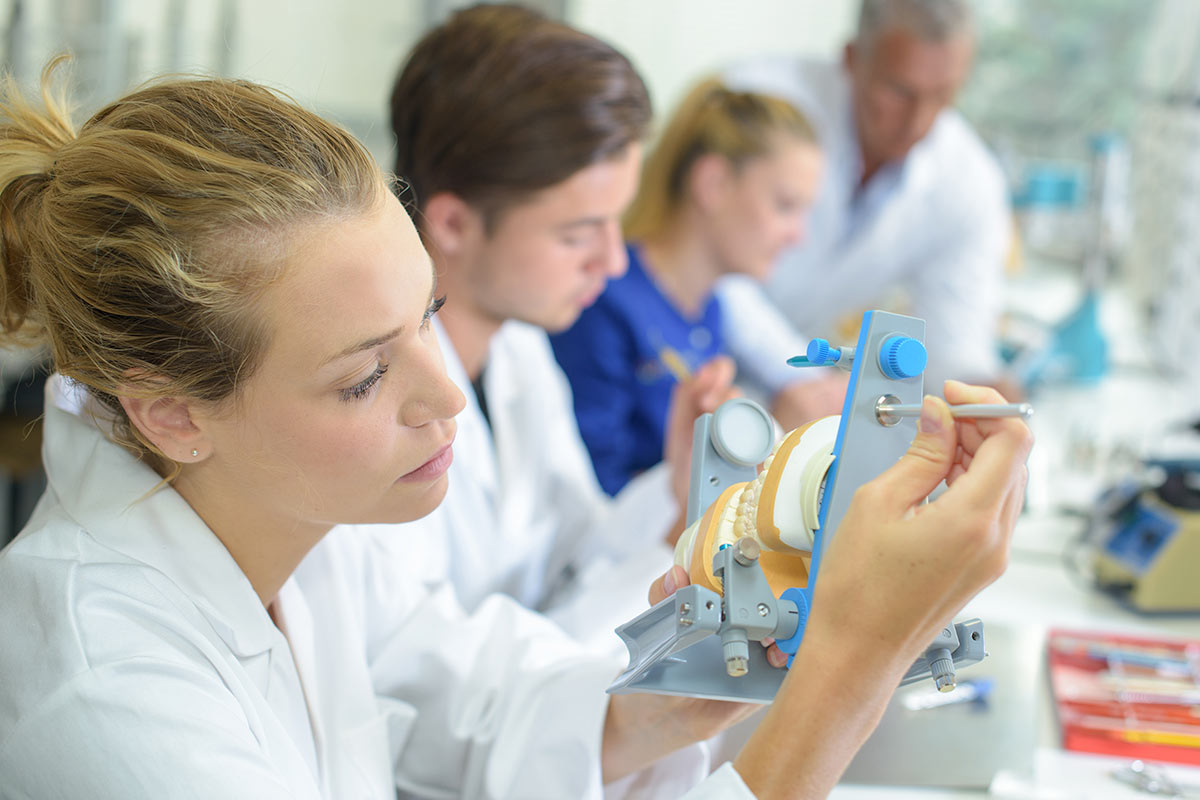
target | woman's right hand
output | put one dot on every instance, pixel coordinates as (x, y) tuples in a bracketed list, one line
[(895, 572), (919, 563)]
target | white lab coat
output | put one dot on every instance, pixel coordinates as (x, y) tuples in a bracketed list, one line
[(935, 226), (137, 661), (524, 514)]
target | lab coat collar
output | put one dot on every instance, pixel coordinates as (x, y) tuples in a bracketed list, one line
[(113, 496), (474, 434), (506, 386), (506, 389), (499, 391), (920, 171)]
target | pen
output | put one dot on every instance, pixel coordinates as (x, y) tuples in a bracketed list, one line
[(1161, 737), (1141, 658), (669, 357)]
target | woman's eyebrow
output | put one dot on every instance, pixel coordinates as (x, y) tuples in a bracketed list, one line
[(366, 345), (387, 337)]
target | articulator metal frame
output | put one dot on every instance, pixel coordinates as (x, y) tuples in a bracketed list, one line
[(698, 643)]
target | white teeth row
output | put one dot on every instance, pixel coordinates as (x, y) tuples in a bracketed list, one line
[(747, 507), (727, 526)]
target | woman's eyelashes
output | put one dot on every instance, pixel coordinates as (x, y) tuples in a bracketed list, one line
[(434, 307), (364, 387)]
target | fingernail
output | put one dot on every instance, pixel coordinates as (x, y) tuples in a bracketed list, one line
[(931, 420), (669, 582)]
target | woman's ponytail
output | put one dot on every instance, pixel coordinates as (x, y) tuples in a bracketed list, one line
[(30, 141)]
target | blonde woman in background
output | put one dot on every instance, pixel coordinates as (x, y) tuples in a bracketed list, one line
[(725, 191), (240, 314)]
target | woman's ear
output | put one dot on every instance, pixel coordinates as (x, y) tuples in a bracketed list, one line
[(710, 178), (452, 224), (167, 422)]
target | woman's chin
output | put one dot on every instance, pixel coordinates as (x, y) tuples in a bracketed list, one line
[(413, 506), (428, 500)]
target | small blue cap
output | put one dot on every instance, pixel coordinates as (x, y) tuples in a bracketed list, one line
[(902, 357), (820, 353)]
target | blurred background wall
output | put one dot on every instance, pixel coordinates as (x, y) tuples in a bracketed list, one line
[(340, 58)]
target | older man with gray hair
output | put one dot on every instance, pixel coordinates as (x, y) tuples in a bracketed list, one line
[(912, 214)]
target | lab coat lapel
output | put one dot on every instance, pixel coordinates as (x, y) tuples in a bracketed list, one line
[(881, 227), (473, 440), (518, 443), (355, 724), (295, 688)]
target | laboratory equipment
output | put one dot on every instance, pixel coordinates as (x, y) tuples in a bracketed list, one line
[(1146, 538), (1077, 349), (755, 539)]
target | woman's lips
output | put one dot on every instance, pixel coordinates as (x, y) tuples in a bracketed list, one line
[(433, 468)]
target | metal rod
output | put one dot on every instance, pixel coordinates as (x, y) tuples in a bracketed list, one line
[(969, 410)]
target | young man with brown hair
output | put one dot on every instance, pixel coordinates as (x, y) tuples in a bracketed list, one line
[(519, 139)]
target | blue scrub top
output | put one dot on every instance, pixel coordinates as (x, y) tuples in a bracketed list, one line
[(621, 387)]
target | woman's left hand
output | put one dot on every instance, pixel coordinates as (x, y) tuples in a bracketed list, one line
[(708, 388), (642, 728)]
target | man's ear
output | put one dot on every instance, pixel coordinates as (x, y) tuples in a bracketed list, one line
[(452, 224), (709, 181), (849, 56), (167, 422)]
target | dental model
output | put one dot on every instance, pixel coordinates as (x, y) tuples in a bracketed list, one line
[(779, 510)]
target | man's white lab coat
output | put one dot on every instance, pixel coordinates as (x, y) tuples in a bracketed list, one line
[(935, 226), (138, 662)]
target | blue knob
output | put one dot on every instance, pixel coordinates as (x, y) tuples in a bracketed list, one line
[(820, 353), (791, 644), (902, 357)]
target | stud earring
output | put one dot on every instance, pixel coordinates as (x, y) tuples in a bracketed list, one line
[(195, 453)]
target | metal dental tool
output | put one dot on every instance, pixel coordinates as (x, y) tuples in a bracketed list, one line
[(889, 411)]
